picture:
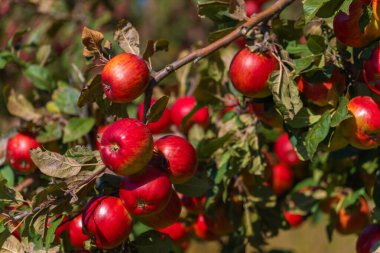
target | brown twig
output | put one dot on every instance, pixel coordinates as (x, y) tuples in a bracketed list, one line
[(204, 52), (24, 184), (58, 199)]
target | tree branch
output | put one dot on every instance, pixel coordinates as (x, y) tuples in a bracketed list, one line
[(204, 52)]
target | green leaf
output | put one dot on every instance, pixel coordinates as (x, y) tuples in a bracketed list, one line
[(40, 77), (157, 109), (285, 94), (311, 7), (329, 8), (206, 148), (92, 92), (297, 49), (7, 173), (341, 112), (66, 99), (77, 128), (303, 63), (153, 242), (51, 132), (43, 54), (50, 234), (81, 154), (195, 187), (304, 118), (206, 91), (54, 164), (317, 134), (316, 44)]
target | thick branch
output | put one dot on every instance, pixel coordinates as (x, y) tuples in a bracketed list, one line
[(203, 52)]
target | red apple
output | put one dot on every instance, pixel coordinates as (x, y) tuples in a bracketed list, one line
[(282, 179), (347, 28), (371, 71), (76, 235), (99, 135), (160, 125), (202, 230), (181, 157), (293, 219), (252, 7), (194, 204), (124, 78), (108, 221), (368, 237), (166, 216), (285, 151), (147, 193), (249, 72), (126, 146), (183, 106), (353, 220), (363, 129), (178, 232), (324, 93), (18, 152)]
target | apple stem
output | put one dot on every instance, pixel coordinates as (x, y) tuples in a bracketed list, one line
[(201, 53)]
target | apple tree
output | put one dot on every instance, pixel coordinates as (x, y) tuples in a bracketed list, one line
[(270, 122)]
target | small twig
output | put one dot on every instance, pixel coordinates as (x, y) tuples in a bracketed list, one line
[(27, 182), (57, 200)]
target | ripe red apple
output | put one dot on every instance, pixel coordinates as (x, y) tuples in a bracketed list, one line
[(124, 78), (99, 135), (353, 220), (266, 113), (368, 237), (371, 71), (18, 152), (108, 221), (293, 219), (160, 125), (194, 204), (324, 93), (285, 151), (249, 72), (282, 179), (76, 235), (181, 157), (363, 129), (183, 106), (178, 232), (347, 27), (147, 193), (166, 216), (202, 230), (126, 146), (252, 7)]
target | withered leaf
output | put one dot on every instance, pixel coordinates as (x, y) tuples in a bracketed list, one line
[(92, 42), (19, 106), (127, 37)]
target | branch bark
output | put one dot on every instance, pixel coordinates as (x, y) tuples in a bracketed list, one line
[(201, 53)]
